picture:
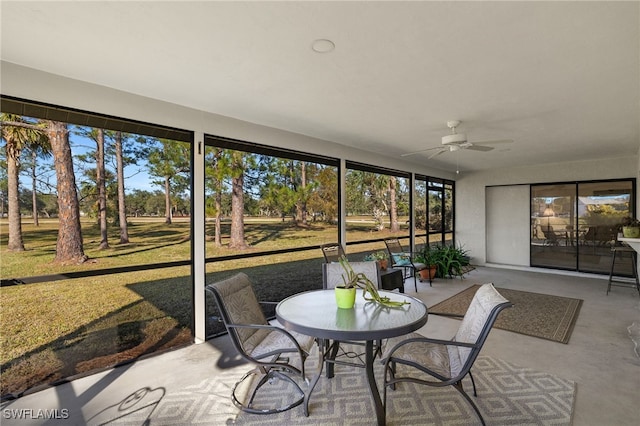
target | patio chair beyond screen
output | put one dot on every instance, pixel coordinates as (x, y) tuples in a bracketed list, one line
[(402, 259), (259, 343), (332, 252)]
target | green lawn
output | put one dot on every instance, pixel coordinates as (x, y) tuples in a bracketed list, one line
[(57, 329)]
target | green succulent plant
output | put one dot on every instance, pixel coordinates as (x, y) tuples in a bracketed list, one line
[(449, 260), (377, 255), (359, 280)]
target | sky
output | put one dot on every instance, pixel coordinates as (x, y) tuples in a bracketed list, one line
[(136, 176)]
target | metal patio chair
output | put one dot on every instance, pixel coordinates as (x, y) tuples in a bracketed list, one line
[(332, 252), (447, 362), (259, 342), (405, 260)]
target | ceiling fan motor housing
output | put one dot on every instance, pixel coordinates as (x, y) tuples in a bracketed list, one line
[(455, 138)]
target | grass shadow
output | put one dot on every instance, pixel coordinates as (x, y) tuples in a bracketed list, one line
[(132, 331)]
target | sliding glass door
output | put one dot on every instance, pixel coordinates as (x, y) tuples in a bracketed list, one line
[(574, 225)]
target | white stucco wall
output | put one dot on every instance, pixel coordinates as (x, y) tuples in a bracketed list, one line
[(638, 183), (471, 193)]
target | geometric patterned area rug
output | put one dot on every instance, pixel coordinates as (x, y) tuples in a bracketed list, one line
[(206, 403), (534, 314), (507, 395)]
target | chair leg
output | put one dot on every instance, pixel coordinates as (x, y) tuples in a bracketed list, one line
[(333, 352), (634, 259), (634, 266), (378, 349), (265, 379), (384, 395), (473, 382), (261, 382), (391, 374), (458, 386), (613, 262)]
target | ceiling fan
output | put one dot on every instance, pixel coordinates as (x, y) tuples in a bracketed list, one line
[(456, 141)]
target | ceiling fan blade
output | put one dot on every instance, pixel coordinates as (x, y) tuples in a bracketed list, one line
[(482, 148), (493, 142), (435, 154), (420, 152)]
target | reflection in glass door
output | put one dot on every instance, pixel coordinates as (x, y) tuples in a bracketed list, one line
[(553, 224), (601, 208), (574, 225)]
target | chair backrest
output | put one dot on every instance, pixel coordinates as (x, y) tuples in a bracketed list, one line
[(483, 310), (397, 254), (332, 273), (393, 245), (332, 252), (238, 304)]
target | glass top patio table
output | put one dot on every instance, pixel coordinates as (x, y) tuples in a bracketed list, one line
[(315, 313)]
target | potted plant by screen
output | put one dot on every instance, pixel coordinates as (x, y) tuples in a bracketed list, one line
[(630, 227), (352, 281), (380, 256), (429, 258), (450, 261)]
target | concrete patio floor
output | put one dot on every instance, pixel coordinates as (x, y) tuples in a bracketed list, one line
[(599, 357)]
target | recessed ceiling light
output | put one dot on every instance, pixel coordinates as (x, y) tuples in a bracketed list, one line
[(323, 45)]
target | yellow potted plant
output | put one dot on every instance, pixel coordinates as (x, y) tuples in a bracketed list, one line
[(352, 281)]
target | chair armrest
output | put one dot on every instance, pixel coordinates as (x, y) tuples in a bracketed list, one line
[(435, 341), (272, 328), (410, 254), (427, 340)]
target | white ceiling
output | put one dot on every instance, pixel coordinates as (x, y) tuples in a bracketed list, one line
[(561, 79)]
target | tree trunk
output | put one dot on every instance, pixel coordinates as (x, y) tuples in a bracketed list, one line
[(393, 205), (302, 201), (102, 191), (122, 207), (218, 201), (167, 200), (15, 242), (69, 247), (237, 213), (34, 197)]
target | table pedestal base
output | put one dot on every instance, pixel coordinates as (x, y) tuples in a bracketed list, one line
[(326, 353)]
